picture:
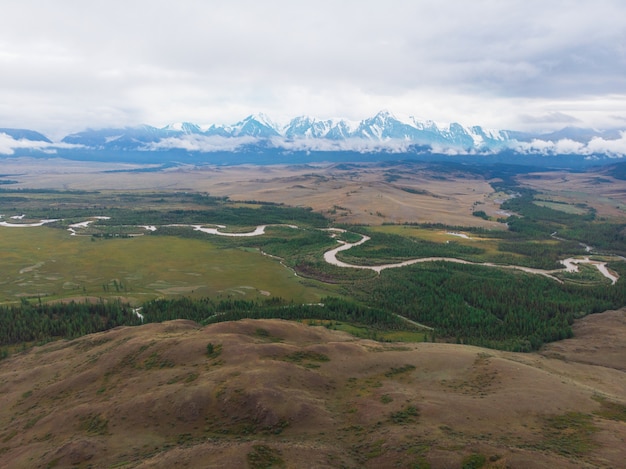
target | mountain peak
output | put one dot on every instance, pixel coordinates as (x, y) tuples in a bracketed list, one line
[(384, 114), (262, 118)]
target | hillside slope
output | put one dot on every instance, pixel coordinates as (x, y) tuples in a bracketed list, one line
[(273, 393)]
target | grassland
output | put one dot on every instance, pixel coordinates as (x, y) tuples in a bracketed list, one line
[(48, 263), (595, 189), (563, 207), (346, 193), (487, 244)]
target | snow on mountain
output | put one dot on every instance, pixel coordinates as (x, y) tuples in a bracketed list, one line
[(255, 126), (385, 126), (307, 127), (339, 131), (183, 127), (258, 125), (382, 132)]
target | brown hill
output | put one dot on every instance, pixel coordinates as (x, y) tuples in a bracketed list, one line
[(282, 394)]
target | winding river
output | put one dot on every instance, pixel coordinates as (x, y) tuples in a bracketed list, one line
[(330, 256), (570, 265)]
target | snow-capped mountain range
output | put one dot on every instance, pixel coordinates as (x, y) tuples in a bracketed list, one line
[(381, 133), (382, 128)]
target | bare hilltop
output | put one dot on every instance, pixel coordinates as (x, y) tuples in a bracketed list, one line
[(272, 393)]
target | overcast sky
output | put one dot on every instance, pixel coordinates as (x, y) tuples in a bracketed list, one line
[(70, 64)]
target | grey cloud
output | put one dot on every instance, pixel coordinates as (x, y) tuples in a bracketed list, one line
[(117, 63), (552, 117)]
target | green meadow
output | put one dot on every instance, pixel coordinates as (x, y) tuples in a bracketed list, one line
[(48, 263), (562, 207)]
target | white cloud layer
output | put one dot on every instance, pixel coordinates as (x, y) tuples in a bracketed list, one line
[(526, 64), (9, 145), (208, 144), (597, 145)]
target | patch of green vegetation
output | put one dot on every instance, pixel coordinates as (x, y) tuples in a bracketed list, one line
[(53, 463), (562, 207), (184, 439), (31, 422), (386, 399), (400, 336), (86, 345), (156, 361), (304, 355), (265, 457), (277, 428), (9, 436), (213, 351), (265, 336), (611, 410), (95, 424), (411, 190), (569, 434), (364, 331), (587, 274), (407, 415), (474, 461), (399, 370), (420, 463), (481, 214), (375, 449)]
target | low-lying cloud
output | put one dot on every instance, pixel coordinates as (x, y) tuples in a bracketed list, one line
[(193, 143), (615, 148), (210, 144), (9, 145)]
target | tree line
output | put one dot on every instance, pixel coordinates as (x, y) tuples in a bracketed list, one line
[(42, 322)]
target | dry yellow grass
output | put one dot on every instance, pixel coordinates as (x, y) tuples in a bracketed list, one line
[(150, 396), (364, 193)]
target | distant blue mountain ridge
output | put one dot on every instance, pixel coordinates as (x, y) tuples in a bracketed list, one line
[(258, 135), (24, 134)]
